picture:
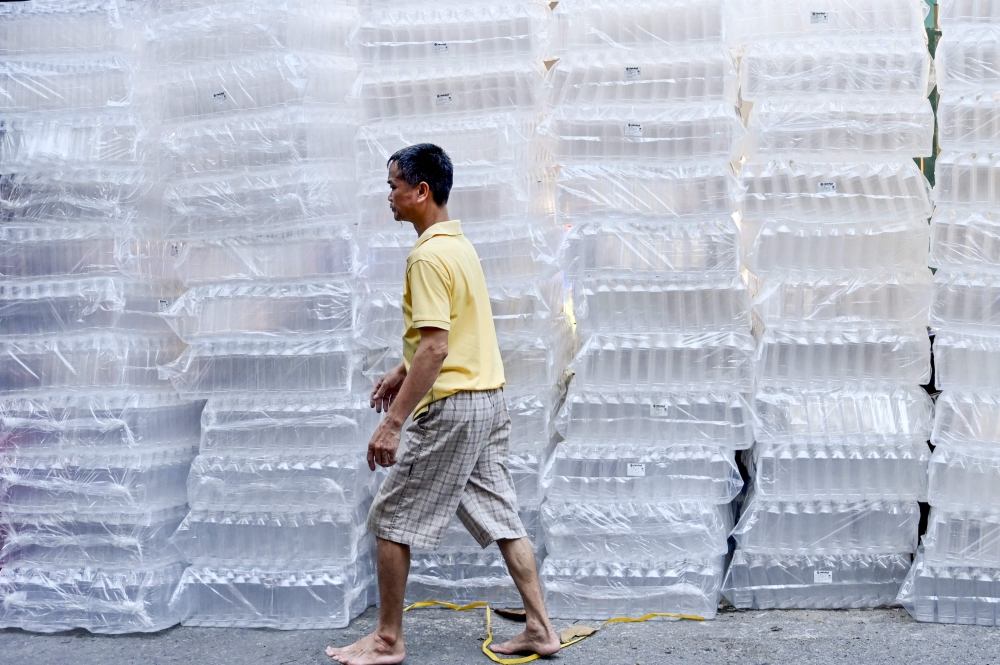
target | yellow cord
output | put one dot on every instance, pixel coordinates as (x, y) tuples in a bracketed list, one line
[(527, 659)]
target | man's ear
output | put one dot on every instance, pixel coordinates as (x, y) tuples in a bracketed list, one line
[(423, 191)]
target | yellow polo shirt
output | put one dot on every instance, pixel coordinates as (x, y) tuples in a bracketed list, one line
[(445, 288)]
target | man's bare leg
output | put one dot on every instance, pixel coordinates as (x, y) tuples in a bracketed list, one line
[(538, 636), (385, 645)]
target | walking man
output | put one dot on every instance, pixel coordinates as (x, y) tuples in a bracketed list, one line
[(451, 380)]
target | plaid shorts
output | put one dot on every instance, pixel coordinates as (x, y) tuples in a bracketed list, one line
[(454, 461)]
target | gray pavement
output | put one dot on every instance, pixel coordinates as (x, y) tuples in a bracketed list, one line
[(444, 637)]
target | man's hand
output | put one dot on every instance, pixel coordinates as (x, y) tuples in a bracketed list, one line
[(385, 391), (384, 444)]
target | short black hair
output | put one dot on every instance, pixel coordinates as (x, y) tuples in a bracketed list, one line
[(426, 162)]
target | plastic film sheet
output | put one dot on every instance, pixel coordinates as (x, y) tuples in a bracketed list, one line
[(965, 239), (969, 180), (49, 82), (951, 593), (966, 361), (823, 300), (756, 20), (966, 301), (967, 418), (823, 582), (832, 131), (689, 74), (609, 473), (56, 598), (577, 589), (969, 121), (222, 597), (836, 192), (59, 140), (964, 478), (106, 195), (655, 418), (963, 537), (836, 66), (967, 59), (893, 415), (956, 12), (646, 192), (461, 579), (532, 366), (861, 357), (831, 527), (70, 25)]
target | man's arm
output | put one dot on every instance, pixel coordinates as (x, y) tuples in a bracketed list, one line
[(424, 370)]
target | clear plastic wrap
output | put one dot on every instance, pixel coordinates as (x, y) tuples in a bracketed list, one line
[(951, 594), (583, 474), (637, 305), (969, 121), (533, 365), (684, 133), (966, 301), (441, 33), (63, 25), (778, 244), (456, 539), (966, 361), (956, 12), (418, 91), (837, 416), (823, 581), (967, 180), (822, 66), (655, 418), (59, 140), (967, 417), (965, 239), (48, 82), (85, 361), (963, 537), (630, 25), (612, 78), (56, 598), (102, 195), (255, 309), (755, 20), (831, 527), (635, 531), (836, 192), (834, 131), (461, 578), (264, 424), (531, 420), (596, 590), (221, 597), (645, 191), (527, 308), (859, 470), (881, 357), (695, 250), (828, 299), (964, 478), (658, 361), (278, 365), (319, 250), (966, 58)]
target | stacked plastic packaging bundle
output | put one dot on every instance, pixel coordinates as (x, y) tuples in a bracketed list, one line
[(834, 230), (94, 447), (956, 575), (256, 191), (642, 120), (466, 76)]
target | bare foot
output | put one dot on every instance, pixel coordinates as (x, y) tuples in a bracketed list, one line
[(542, 641), (369, 650)]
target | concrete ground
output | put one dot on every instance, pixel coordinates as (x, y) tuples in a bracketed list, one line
[(444, 637)]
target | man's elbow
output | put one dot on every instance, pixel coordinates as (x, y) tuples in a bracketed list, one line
[(437, 350)]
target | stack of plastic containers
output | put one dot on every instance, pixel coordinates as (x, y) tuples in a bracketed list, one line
[(956, 576), (835, 230), (466, 76), (94, 447), (256, 191), (642, 120)]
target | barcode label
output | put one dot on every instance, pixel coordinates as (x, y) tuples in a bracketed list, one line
[(444, 99), (658, 410), (441, 48), (633, 129), (633, 469), (827, 188), (822, 577), (175, 249), (164, 304), (633, 72), (219, 98), (819, 17)]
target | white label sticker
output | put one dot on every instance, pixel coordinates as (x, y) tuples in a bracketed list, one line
[(164, 304), (441, 48), (819, 17), (633, 73), (444, 99), (822, 577), (633, 129), (219, 98), (658, 410), (634, 469), (827, 188), (175, 249)]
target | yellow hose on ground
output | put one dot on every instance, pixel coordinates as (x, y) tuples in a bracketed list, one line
[(527, 659)]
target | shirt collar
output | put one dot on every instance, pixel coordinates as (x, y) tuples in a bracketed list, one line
[(452, 227)]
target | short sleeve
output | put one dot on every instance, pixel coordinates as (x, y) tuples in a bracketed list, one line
[(430, 295)]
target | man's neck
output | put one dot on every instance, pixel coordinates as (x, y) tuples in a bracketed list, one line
[(440, 216)]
